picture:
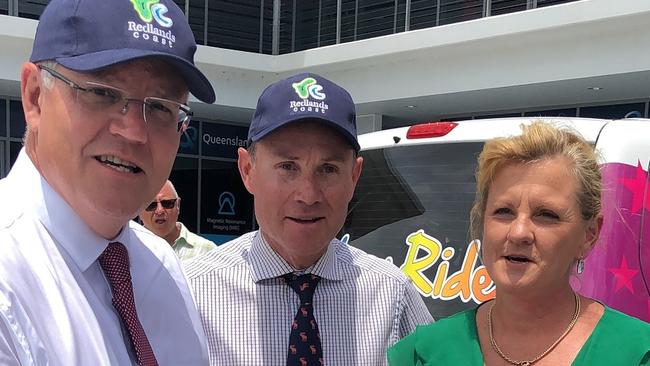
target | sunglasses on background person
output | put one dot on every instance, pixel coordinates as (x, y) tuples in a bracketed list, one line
[(166, 204)]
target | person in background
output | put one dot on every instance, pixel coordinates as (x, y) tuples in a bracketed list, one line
[(105, 99), (161, 217), (537, 212), (291, 293)]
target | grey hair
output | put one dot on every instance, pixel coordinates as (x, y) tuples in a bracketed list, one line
[(171, 186)]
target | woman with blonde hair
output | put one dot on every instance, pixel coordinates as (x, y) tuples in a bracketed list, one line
[(537, 213)]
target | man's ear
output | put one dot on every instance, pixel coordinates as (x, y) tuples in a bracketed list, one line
[(356, 172), (245, 165), (30, 92)]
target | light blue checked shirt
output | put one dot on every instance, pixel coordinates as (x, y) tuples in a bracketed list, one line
[(362, 305)]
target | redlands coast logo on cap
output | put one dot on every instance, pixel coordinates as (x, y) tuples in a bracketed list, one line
[(148, 11), (305, 89)]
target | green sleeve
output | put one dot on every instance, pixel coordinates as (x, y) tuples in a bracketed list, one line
[(403, 352)]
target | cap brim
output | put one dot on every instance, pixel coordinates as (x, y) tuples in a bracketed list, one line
[(196, 82), (345, 133)]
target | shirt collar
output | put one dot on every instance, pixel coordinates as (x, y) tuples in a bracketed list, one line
[(68, 230), (182, 237), (265, 263)]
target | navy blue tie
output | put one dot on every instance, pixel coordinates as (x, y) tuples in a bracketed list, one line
[(304, 341)]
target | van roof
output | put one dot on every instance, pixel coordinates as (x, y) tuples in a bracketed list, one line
[(478, 131)]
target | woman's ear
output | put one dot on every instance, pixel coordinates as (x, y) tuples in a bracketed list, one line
[(592, 232)]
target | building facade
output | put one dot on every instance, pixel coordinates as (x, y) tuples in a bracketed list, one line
[(404, 61)]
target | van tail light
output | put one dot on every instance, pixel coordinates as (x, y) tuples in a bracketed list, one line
[(432, 129)]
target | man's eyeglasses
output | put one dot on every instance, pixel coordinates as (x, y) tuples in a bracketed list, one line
[(158, 113), (166, 204)]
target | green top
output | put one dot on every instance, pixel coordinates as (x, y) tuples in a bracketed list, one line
[(617, 339), (189, 245)]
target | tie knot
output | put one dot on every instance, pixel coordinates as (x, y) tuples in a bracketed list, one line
[(304, 285), (115, 263)]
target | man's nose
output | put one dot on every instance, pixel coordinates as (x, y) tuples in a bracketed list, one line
[(130, 122), (308, 190)]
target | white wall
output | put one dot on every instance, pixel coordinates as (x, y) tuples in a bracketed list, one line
[(543, 57)]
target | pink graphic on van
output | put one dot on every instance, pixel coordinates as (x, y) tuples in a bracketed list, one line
[(617, 271), (624, 276), (639, 188)]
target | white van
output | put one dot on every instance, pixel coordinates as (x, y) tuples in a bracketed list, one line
[(413, 199)]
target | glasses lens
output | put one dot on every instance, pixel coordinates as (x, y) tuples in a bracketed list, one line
[(152, 206), (167, 204), (163, 113), (99, 96)]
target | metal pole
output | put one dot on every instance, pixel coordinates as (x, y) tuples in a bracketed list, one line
[(205, 24), (407, 21), (275, 43), (356, 18), (260, 46), (293, 27), (487, 8), (339, 9), (320, 10), (395, 18)]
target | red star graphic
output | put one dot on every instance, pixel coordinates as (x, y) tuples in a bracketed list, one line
[(637, 186), (623, 275)]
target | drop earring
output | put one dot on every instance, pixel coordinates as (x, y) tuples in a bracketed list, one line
[(580, 267)]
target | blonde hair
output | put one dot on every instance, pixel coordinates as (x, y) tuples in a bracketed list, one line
[(539, 141)]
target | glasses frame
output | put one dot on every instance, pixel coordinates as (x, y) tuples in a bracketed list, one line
[(182, 124), (171, 202)]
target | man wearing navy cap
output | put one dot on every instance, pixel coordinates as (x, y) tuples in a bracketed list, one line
[(105, 99), (290, 293)]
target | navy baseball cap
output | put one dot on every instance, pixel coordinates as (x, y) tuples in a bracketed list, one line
[(89, 35), (304, 96)]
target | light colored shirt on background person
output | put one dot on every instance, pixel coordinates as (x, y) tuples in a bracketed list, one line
[(189, 245)]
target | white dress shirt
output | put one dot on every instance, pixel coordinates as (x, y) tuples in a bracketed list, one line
[(55, 303), (362, 304)]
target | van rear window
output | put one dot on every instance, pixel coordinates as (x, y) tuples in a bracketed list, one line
[(423, 188)]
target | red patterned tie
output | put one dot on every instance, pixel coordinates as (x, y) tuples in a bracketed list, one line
[(115, 263)]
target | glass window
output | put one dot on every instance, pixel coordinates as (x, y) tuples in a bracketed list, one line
[(267, 28), (222, 140), (632, 110), (4, 7), (500, 115), (235, 24), (423, 14), (403, 190), (226, 205), (454, 11), (196, 18), (286, 25), (507, 6), (348, 20), (16, 119), (185, 177), (31, 8), (543, 3), (190, 141), (14, 149), (306, 25), (3, 117), (327, 23), (375, 18), (3, 173), (567, 112)]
